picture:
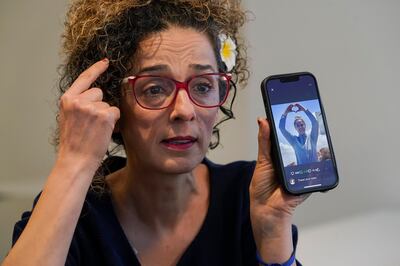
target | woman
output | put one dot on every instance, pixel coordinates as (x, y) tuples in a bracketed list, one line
[(304, 145), (157, 93)]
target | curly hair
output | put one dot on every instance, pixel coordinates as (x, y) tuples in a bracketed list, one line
[(114, 29)]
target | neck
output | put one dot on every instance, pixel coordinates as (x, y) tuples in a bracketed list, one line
[(155, 199)]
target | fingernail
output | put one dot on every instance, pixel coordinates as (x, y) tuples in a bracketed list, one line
[(105, 60)]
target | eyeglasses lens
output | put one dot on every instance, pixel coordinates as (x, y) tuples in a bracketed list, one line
[(159, 92)]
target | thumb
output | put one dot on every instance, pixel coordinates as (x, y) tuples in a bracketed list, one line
[(263, 182), (264, 141)]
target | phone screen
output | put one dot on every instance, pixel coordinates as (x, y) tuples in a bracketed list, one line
[(301, 133)]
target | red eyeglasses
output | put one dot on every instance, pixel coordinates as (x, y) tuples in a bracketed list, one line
[(157, 92)]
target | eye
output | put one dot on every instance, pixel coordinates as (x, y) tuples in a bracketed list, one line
[(154, 90), (202, 88), (155, 87)]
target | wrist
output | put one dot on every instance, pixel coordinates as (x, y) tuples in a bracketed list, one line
[(268, 231), (273, 235), (274, 215), (71, 171), (276, 246), (76, 163)]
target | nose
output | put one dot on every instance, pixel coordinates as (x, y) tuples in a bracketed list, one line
[(183, 108)]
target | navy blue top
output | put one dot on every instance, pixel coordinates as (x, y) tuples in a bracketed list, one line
[(225, 237)]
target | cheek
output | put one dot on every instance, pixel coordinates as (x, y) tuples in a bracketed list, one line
[(209, 121), (137, 125)]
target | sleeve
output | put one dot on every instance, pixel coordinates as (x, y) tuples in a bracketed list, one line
[(282, 126), (295, 238), (314, 126), (73, 253), (21, 224)]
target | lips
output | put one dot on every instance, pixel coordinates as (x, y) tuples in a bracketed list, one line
[(179, 142)]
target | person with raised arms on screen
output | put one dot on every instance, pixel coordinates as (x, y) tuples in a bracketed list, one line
[(304, 145)]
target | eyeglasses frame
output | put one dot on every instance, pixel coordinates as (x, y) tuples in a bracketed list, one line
[(178, 86)]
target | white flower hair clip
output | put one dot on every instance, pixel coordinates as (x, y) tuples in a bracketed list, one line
[(228, 51)]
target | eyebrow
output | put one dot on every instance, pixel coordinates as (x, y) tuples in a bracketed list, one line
[(201, 67), (155, 68), (159, 68)]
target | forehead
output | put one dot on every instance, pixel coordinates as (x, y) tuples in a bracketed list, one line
[(177, 48)]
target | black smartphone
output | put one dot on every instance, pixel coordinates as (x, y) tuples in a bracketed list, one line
[(301, 146)]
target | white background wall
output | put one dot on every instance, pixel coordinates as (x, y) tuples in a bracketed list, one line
[(351, 46)]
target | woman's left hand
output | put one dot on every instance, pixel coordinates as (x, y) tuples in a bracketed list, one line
[(300, 107), (266, 195), (271, 208)]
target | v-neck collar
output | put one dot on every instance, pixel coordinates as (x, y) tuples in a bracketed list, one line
[(185, 258)]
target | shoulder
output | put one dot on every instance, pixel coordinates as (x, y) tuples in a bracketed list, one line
[(238, 172), (98, 237), (231, 169), (95, 205), (230, 183), (96, 210)]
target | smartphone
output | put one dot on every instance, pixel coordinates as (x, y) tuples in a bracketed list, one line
[(302, 149)]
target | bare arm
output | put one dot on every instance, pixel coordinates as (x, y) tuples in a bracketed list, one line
[(282, 124), (86, 125), (314, 125)]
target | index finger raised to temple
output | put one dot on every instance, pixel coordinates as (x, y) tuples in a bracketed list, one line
[(87, 77)]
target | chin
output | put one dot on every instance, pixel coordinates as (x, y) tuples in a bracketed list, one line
[(181, 165)]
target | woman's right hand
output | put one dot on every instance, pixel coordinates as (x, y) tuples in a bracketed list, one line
[(86, 122), (289, 109)]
